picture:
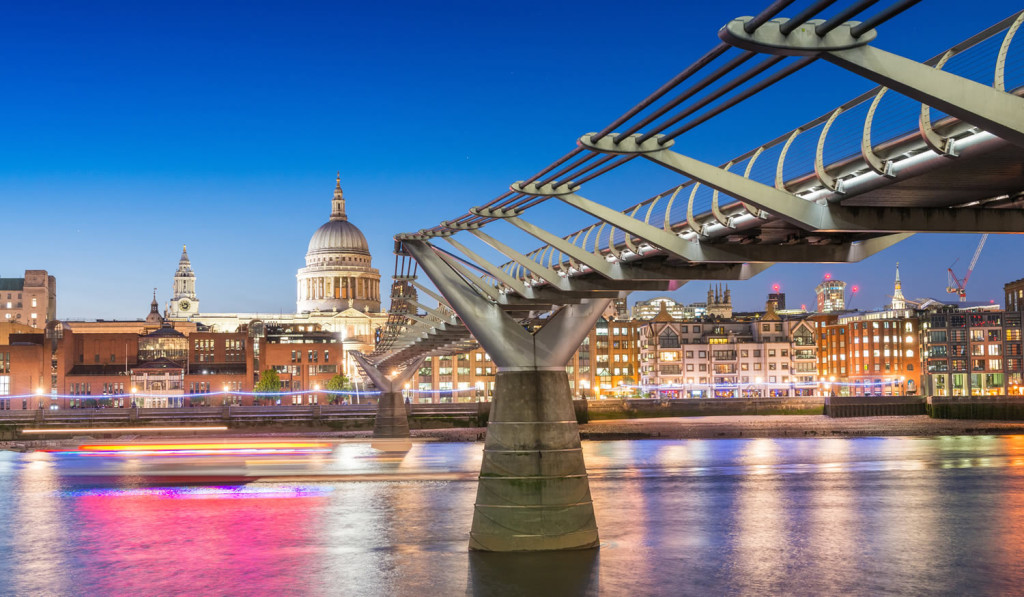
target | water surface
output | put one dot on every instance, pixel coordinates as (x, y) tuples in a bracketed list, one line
[(858, 516)]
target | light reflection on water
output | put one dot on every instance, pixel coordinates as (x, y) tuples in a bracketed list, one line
[(762, 516)]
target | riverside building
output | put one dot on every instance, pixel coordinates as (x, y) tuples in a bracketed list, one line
[(727, 358), (973, 351)]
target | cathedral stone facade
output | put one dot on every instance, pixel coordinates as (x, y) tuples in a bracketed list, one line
[(338, 274)]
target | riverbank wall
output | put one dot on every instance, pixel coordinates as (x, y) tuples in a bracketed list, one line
[(600, 410), (996, 408), (874, 406)]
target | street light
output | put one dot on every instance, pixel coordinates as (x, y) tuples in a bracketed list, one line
[(39, 397), (134, 391)]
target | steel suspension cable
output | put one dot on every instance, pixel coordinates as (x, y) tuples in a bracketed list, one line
[(766, 15), (844, 15), (747, 93), (882, 17), (718, 93), (661, 91), (804, 15), (701, 85)]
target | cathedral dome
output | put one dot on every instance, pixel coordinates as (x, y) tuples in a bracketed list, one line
[(338, 236), (339, 274)]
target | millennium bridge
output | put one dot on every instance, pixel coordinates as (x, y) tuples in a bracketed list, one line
[(936, 147)]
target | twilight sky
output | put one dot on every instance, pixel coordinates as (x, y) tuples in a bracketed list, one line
[(131, 128)]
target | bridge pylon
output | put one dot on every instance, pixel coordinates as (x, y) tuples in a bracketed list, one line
[(392, 420), (533, 492)]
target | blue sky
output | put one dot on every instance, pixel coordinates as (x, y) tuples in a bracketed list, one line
[(130, 129)]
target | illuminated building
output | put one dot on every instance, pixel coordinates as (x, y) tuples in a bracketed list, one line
[(648, 310), (338, 274), (870, 354), (184, 301), (338, 292), (764, 356), (1014, 292), (31, 300), (973, 351), (831, 295)]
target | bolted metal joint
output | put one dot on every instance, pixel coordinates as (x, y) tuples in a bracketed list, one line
[(552, 189), (485, 212), (459, 225), (802, 41), (410, 236), (433, 233), (624, 145)]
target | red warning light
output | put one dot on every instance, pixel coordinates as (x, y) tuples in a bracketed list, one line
[(804, 307), (855, 288), (775, 287), (828, 276)]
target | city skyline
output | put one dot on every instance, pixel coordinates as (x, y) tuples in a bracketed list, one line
[(223, 130)]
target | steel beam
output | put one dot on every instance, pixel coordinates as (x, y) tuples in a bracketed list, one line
[(992, 109), (828, 217), (995, 111), (695, 251)]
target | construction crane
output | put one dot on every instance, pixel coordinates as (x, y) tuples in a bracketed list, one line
[(957, 286)]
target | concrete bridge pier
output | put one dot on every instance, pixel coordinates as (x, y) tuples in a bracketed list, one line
[(533, 493), (392, 419)]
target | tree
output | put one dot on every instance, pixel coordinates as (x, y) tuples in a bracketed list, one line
[(338, 382), (269, 381), (335, 384)]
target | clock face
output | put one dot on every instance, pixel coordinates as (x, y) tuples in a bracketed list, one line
[(184, 305)]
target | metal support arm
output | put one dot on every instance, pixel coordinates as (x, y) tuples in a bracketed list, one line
[(996, 111), (830, 217), (381, 380), (510, 345)]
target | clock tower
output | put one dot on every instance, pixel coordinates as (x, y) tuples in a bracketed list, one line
[(184, 302)]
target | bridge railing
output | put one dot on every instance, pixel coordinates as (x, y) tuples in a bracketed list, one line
[(878, 122)]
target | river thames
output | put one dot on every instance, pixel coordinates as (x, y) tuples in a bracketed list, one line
[(865, 516)]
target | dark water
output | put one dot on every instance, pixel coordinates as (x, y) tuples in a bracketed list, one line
[(923, 516)]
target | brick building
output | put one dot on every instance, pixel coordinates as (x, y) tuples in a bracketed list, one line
[(870, 354)]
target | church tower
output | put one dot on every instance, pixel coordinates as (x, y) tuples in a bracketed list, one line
[(898, 302), (184, 302)]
